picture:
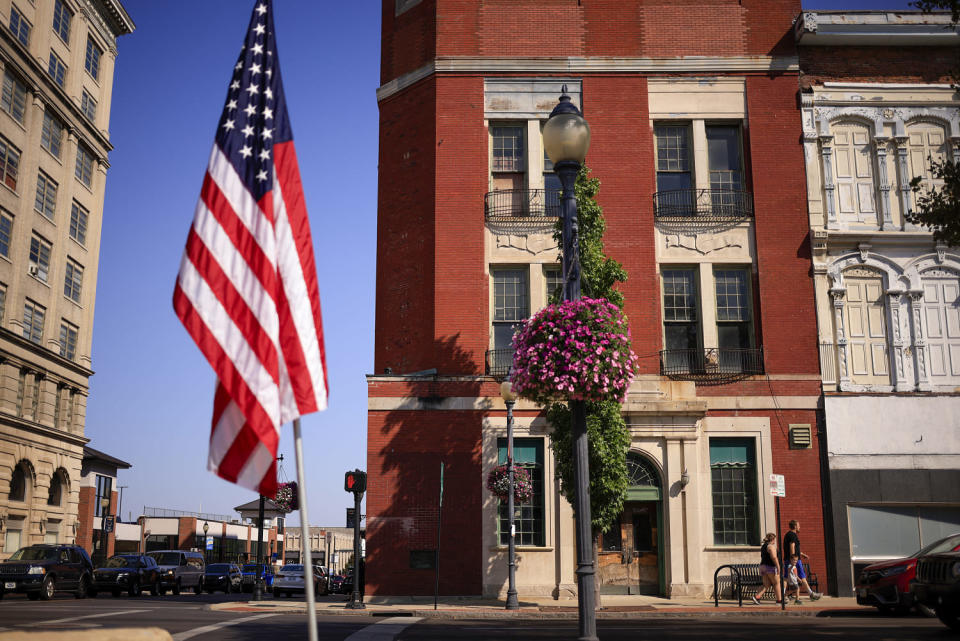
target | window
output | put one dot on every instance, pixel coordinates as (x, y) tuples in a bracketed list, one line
[(508, 149), (19, 27), (724, 160), (552, 188), (865, 319), (55, 495), (68, 340), (104, 491), (3, 300), (88, 105), (681, 320), (62, 16), (734, 488), (56, 69), (84, 168), (6, 230), (92, 60), (9, 164), (853, 158), (926, 141), (18, 484), (78, 223), (73, 281), (733, 309), (46, 201), (554, 284), (529, 515), (12, 540), (673, 157), (33, 321), (51, 135), (510, 305), (13, 99), (39, 258)]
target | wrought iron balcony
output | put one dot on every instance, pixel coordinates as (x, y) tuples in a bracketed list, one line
[(681, 210), (522, 207), (499, 362), (712, 366)]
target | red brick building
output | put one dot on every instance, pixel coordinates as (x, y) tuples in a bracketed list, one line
[(694, 111)]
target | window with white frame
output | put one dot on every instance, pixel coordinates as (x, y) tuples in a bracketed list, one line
[(39, 266), (725, 164), (88, 105), (57, 69), (9, 164), (78, 222), (941, 306), (529, 518), (13, 98), (73, 280), (509, 164), (68, 340), (926, 142), (33, 316), (62, 17), (734, 320), (84, 167), (674, 157), (733, 479), (104, 491), (681, 315), (91, 60), (51, 134), (46, 200), (19, 26), (6, 231), (865, 320), (853, 160), (554, 279), (511, 305)]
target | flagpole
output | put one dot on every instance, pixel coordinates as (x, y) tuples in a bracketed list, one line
[(305, 534)]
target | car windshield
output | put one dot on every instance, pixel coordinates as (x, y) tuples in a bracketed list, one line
[(122, 562), (34, 554), (166, 558), (218, 567), (943, 545)]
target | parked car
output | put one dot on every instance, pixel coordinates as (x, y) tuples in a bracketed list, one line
[(42, 570), (937, 586), (346, 586), (223, 576), (179, 569), (289, 579), (128, 573), (335, 583), (886, 585), (249, 571)]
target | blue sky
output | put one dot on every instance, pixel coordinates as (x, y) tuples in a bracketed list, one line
[(151, 396)]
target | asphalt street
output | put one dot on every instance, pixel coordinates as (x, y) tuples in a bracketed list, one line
[(187, 617)]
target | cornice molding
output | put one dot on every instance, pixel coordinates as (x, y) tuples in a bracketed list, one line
[(583, 66)]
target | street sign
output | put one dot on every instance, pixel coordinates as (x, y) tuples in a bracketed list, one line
[(351, 515), (108, 524), (777, 486), (209, 542)]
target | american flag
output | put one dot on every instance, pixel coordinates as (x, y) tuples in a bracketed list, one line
[(247, 288)]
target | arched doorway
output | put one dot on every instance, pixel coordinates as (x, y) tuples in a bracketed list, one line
[(631, 557)]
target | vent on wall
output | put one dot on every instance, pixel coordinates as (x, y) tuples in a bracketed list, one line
[(800, 437)]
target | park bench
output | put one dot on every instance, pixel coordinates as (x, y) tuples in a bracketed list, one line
[(743, 580)]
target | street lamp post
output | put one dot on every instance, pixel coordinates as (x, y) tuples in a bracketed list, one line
[(509, 398), (566, 137)]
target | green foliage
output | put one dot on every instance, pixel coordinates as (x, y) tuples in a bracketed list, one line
[(607, 432), (609, 441), (953, 6), (938, 208)]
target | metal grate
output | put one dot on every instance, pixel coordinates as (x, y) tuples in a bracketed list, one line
[(681, 210), (499, 362), (801, 437), (504, 205), (711, 366)]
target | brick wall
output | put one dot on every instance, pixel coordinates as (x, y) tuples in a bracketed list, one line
[(85, 512), (877, 64)]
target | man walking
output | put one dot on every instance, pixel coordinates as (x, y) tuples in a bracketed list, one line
[(791, 546)]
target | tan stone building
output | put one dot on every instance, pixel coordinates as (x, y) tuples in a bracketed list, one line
[(57, 60)]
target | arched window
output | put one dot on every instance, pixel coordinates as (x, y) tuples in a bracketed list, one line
[(925, 141), (854, 173), (18, 484), (55, 497), (941, 305), (641, 472), (865, 321)]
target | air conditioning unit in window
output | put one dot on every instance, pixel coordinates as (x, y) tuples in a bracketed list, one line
[(33, 269)]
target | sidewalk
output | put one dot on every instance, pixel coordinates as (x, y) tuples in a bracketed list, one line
[(614, 607)]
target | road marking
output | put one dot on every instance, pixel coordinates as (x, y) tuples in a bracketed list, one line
[(189, 634), (37, 624), (385, 630)]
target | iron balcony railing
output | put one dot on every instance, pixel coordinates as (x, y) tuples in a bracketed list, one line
[(506, 205), (716, 365), (499, 362), (720, 204)]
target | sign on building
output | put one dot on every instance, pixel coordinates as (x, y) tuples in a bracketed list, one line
[(777, 485)]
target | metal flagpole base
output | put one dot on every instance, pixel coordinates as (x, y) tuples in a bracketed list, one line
[(305, 535)]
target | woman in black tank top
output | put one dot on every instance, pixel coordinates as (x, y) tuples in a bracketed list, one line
[(769, 568)]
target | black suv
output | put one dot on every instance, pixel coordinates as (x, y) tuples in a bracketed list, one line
[(937, 585), (42, 570)]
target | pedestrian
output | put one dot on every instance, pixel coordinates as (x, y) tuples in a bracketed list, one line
[(791, 546), (769, 568), (793, 585)]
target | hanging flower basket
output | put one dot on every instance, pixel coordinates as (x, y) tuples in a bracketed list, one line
[(574, 350), (287, 499), (498, 482)]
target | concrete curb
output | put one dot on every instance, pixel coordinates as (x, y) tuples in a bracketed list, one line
[(100, 634)]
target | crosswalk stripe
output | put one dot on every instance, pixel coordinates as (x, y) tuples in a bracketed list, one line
[(385, 630)]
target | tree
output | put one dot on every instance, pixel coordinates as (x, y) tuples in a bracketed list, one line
[(607, 432), (938, 208)]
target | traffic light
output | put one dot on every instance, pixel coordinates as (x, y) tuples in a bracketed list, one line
[(355, 481)]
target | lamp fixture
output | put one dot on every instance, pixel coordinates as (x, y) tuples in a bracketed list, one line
[(685, 478)]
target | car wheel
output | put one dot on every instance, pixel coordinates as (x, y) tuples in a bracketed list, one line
[(950, 617), (48, 589), (176, 588), (924, 610), (84, 588), (134, 589)]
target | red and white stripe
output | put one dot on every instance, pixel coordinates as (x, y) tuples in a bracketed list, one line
[(247, 293)]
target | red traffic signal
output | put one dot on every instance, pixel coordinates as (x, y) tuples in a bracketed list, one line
[(355, 481)]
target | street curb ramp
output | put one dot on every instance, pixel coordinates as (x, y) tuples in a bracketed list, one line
[(100, 634)]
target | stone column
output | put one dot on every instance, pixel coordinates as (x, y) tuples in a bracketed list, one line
[(903, 179), (900, 376), (880, 144), (838, 302), (826, 159), (919, 341)]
